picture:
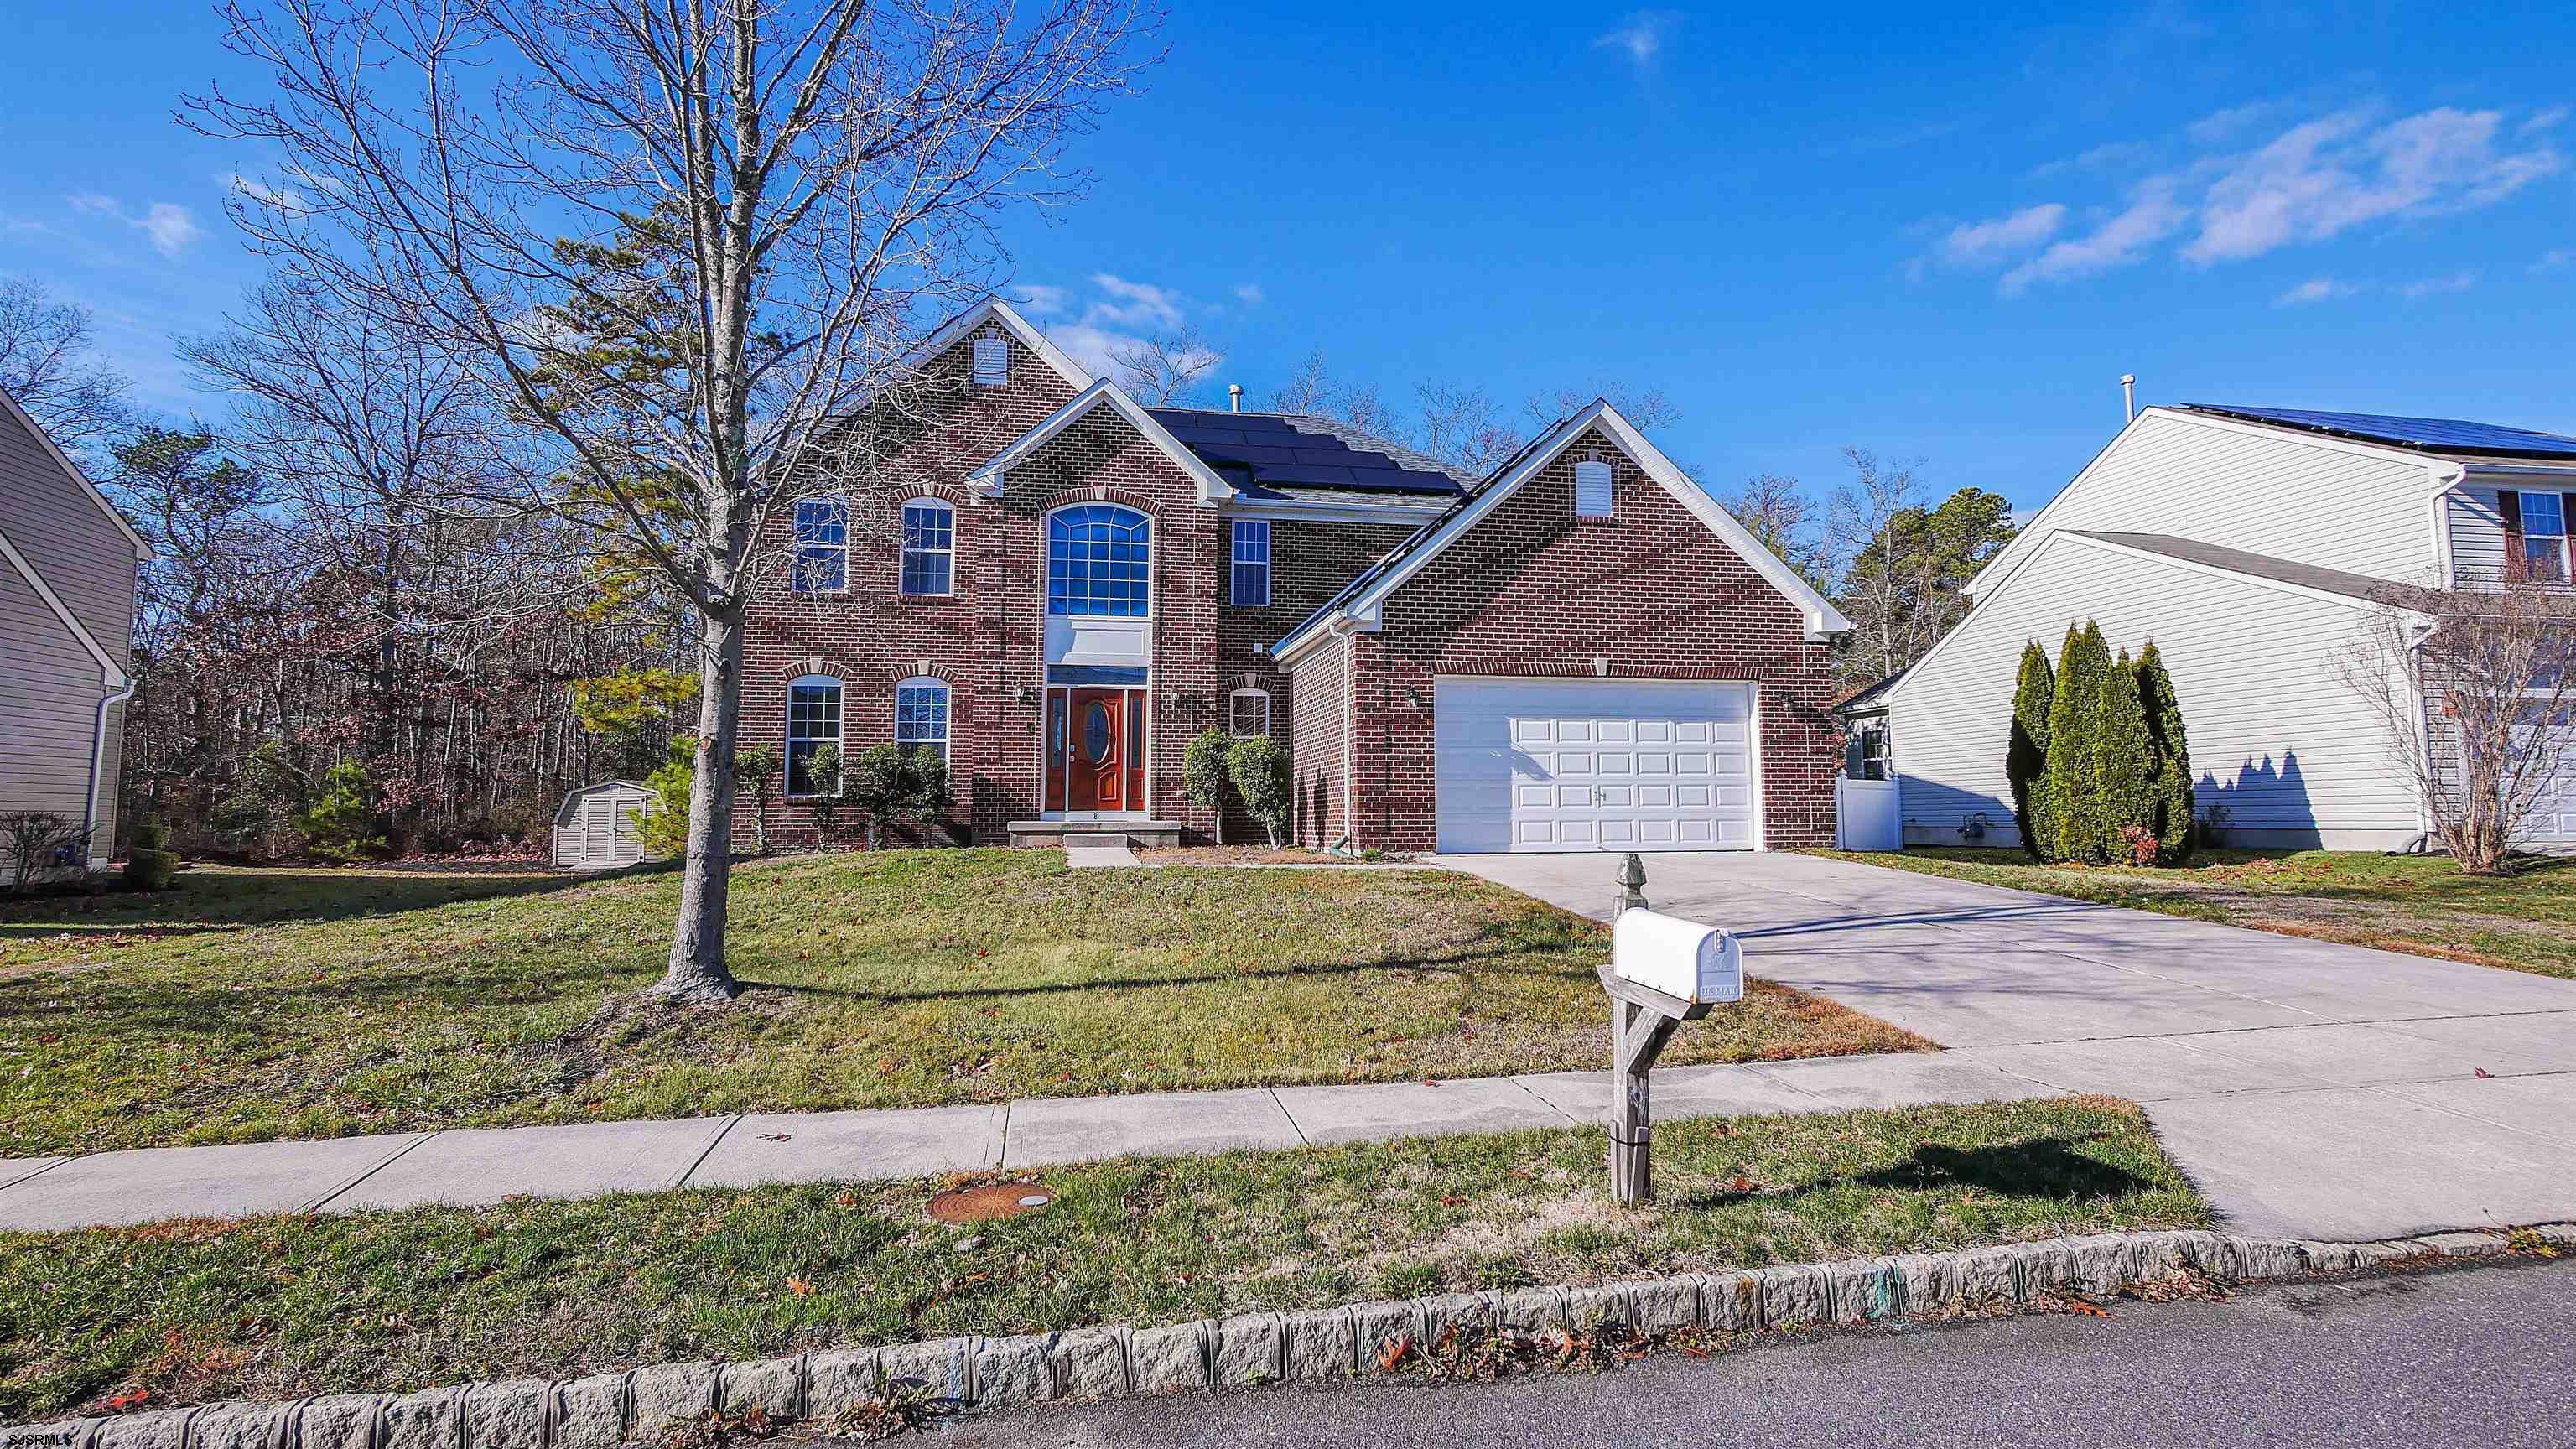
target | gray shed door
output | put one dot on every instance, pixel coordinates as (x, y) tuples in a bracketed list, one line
[(599, 825)]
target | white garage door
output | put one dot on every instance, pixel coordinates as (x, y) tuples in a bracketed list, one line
[(1593, 764), (2552, 821)]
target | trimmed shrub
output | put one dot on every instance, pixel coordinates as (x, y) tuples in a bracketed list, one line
[(2076, 821), (895, 785), (151, 870), (343, 823), (1203, 767), (2177, 825), (755, 769), (1259, 769), (2124, 767), (2026, 755)]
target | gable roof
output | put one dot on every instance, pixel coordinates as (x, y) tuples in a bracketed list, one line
[(993, 309), (2435, 437), (1361, 599), (45, 440), (111, 674), (1286, 453), (1104, 393)]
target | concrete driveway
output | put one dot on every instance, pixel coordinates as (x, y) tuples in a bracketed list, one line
[(2310, 1088)]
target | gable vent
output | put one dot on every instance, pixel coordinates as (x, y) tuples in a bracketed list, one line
[(1592, 488), (992, 361)]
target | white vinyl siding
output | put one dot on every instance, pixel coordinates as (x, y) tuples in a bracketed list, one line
[(2276, 738), (1592, 764), (2476, 520), (2259, 490)]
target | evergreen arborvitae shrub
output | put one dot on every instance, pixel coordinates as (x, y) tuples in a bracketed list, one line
[(1203, 765), (2026, 756), (2176, 812), (2124, 766), (1258, 767), (2075, 818)]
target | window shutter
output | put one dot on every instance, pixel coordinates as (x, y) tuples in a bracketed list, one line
[(2509, 507), (992, 362), (1592, 488)]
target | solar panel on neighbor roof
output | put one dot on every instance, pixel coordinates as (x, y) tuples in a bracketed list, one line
[(2440, 434)]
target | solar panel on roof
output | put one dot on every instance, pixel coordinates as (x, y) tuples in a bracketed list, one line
[(2444, 435), (1277, 453)]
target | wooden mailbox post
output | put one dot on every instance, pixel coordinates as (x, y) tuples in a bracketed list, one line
[(1643, 1018)]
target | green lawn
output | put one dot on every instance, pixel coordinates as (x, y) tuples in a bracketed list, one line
[(2424, 904), (255, 1004), (279, 1307)]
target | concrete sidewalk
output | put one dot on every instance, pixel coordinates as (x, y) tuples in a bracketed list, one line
[(474, 1166)]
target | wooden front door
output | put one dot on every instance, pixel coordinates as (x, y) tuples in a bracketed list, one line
[(1096, 750)]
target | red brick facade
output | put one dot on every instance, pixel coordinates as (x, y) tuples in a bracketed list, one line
[(1535, 591), (1530, 591)]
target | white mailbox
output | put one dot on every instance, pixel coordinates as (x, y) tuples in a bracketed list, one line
[(1676, 957)]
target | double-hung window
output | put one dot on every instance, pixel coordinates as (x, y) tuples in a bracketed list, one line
[(821, 563), (2544, 537), (813, 721), (1249, 711), (921, 715), (1252, 562), (929, 546)]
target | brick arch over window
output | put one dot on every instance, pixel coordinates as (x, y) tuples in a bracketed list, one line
[(1102, 493), (1270, 683), (948, 493), (796, 669), (899, 670)]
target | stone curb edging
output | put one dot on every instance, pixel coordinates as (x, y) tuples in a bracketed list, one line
[(606, 1410)]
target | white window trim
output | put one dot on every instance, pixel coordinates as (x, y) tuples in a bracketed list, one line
[(2566, 554), (1153, 578), (902, 548), (839, 740), (1235, 562), (947, 711), (1260, 694), (796, 548)]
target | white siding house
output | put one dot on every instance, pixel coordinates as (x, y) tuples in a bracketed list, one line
[(2251, 552)]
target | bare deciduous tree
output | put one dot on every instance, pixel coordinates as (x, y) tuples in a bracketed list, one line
[(1881, 578), (2473, 689), (1776, 510), (1461, 427), (1310, 391), (1162, 369), (45, 363), (1648, 407), (680, 243)]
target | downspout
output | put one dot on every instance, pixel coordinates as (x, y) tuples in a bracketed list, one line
[(98, 766)]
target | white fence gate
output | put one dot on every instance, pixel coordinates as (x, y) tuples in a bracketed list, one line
[(1867, 815)]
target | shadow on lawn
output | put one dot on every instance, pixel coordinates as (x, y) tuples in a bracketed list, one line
[(2046, 1167), (208, 901)]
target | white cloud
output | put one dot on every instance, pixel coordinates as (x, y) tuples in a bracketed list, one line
[(2315, 289), (1249, 294), (1975, 244), (2554, 258), (170, 225), (1132, 304), (275, 198), (2109, 153), (2539, 121), (2435, 286), (2326, 176), (2222, 126), (2152, 214), (1038, 300), (1642, 34)]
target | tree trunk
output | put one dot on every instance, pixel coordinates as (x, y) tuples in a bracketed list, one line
[(697, 972)]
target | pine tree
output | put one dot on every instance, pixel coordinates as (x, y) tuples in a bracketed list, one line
[(2175, 808), (2026, 756), (2075, 820), (2124, 764)]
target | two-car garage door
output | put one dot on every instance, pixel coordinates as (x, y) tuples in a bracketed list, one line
[(1593, 764)]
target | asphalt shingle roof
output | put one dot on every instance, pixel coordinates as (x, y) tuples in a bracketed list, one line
[(2253, 565)]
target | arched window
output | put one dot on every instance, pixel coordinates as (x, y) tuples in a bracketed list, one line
[(1099, 561), (1248, 713), (929, 546), (921, 714), (813, 721)]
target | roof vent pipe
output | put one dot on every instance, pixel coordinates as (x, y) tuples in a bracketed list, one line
[(1234, 397), (2129, 393)]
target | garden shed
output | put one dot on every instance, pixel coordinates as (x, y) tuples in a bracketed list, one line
[(594, 831)]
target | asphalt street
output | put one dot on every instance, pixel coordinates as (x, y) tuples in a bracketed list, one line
[(2480, 1356)]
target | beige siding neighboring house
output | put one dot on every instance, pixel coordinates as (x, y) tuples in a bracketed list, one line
[(68, 566)]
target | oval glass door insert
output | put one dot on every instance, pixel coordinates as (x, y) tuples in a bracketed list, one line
[(1096, 734)]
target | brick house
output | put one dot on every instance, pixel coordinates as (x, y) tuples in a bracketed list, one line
[(1057, 587)]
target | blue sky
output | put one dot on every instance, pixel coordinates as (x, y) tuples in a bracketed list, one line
[(1807, 227)]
